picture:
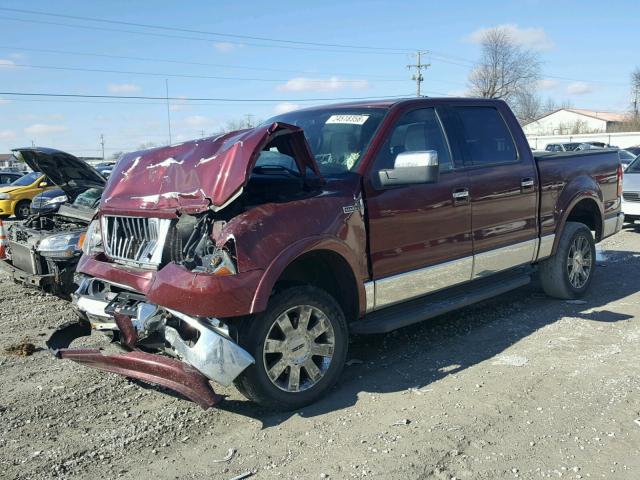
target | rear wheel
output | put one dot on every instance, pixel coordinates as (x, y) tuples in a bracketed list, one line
[(22, 210), (299, 344), (569, 272)]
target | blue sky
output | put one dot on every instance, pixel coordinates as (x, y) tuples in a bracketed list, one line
[(588, 52)]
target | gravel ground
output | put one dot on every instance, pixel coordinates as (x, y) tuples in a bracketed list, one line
[(522, 386)]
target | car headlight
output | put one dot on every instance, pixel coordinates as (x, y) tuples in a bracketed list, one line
[(220, 262), (58, 199), (93, 239), (65, 245), (4, 196)]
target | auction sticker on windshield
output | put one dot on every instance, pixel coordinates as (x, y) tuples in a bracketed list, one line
[(348, 119)]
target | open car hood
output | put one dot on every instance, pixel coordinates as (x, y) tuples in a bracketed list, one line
[(200, 174), (71, 174)]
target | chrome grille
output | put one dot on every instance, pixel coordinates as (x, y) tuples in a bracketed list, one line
[(135, 240), (631, 196)]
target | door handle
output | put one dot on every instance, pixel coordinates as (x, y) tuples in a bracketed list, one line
[(460, 196), (526, 183)]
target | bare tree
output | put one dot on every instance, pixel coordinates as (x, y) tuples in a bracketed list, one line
[(506, 69), (527, 106)]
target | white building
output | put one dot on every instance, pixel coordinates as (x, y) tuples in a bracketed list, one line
[(572, 121)]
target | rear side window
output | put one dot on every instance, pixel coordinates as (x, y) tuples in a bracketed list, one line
[(487, 138)]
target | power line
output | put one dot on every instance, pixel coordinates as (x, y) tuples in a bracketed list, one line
[(180, 75), (184, 37), (204, 32), (184, 62), (189, 99)]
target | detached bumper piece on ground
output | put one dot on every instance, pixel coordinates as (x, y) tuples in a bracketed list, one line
[(200, 354)]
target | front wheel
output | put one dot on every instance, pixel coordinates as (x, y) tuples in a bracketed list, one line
[(299, 345), (23, 209), (569, 272)]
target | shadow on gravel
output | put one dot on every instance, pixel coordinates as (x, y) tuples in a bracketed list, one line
[(419, 355)]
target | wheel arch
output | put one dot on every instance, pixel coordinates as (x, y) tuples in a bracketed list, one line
[(585, 207), (323, 262)]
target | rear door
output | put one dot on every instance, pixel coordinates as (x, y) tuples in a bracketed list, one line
[(503, 189), (419, 235)]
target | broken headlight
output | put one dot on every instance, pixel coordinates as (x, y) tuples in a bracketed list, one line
[(93, 240), (220, 262), (65, 245)]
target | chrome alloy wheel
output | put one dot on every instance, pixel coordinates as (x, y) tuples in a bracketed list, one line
[(299, 347), (579, 262)]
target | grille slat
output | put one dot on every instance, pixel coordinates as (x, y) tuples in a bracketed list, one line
[(631, 196), (135, 240)]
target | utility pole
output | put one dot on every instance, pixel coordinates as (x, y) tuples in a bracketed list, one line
[(635, 102), (248, 115), (419, 66), (166, 84), (102, 144)]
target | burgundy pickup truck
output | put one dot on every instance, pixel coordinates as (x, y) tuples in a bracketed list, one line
[(251, 257)]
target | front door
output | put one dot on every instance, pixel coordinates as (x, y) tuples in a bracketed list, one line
[(419, 235)]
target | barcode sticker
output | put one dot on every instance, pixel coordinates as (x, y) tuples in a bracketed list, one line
[(348, 119)]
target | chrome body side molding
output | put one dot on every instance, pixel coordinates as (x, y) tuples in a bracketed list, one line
[(413, 284), (416, 283), (546, 246), (499, 259)]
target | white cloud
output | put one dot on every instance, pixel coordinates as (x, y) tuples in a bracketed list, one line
[(7, 134), (198, 121), (332, 84), (44, 129), (123, 88), (579, 88), (5, 63), (533, 38), (285, 107), (226, 47), (4, 101), (547, 84)]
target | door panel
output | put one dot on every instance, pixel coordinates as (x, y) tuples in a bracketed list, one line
[(419, 238), (503, 189)]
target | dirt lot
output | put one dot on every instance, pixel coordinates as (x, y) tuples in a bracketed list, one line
[(522, 386)]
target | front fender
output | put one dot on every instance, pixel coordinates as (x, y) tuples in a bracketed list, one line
[(294, 251)]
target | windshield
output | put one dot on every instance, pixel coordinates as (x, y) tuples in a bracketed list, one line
[(338, 137), (88, 198), (28, 179)]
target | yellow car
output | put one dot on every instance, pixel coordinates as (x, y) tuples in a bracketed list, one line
[(15, 199)]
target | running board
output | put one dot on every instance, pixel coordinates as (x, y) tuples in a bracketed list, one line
[(423, 308)]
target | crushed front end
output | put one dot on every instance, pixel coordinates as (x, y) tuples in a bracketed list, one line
[(163, 346), (43, 252)]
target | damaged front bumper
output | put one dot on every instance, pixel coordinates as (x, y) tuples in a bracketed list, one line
[(44, 282), (192, 350)]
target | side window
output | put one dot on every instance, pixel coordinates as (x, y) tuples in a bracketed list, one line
[(417, 130), (487, 138)]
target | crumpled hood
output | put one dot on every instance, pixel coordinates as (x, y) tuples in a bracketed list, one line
[(196, 175), (71, 174)]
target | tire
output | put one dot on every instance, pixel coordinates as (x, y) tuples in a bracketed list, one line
[(22, 209), (560, 277), (293, 351)]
